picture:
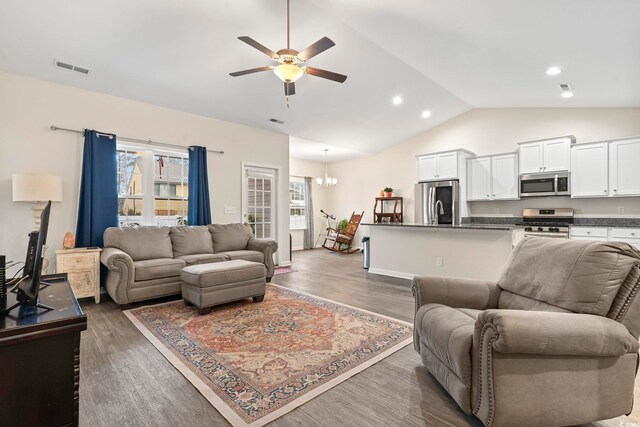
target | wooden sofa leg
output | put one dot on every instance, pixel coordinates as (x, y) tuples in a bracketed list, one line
[(204, 311), (258, 299), (187, 303), (268, 279)]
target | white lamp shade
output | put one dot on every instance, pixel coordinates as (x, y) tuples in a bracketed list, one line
[(36, 188)]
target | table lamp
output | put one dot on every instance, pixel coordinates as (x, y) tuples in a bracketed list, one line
[(37, 189)]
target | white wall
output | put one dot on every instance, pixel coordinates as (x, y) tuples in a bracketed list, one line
[(299, 167), (29, 106), (483, 131)]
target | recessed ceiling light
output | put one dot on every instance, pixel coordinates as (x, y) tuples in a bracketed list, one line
[(553, 71), (567, 90), (397, 100), (426, 114)]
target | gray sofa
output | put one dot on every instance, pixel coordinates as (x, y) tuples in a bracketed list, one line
[(554, 342), (145, 262)]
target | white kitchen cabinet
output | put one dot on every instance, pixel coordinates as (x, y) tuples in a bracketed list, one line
[(590, 170), (441, 166), (627, 235), (624, 168), (589, 233), (549, 155), (504, 177), (479, 178), (492, 177), (427, 167)]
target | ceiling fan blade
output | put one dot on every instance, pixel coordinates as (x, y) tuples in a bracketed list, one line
[(251, 71), (289, 89), (251, 42), (316, 48), (340, 78)]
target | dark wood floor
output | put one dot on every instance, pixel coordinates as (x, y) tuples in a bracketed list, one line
[(125, 381)]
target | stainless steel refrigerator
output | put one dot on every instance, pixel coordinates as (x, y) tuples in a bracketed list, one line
[(438, 202)]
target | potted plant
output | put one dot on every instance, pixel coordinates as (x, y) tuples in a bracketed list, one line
[(342, 225), (388, 192)]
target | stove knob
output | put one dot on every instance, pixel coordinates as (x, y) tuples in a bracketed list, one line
[(553, 230), (540, 229), (528, 229)]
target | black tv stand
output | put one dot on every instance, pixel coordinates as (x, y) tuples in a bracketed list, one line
[(18, 304)]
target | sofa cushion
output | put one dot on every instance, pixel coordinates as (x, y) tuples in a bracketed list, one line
[(140, 243), (448, 333), (203, 258), (230, 237), (254, 256), (189, 240), (581, 276), (157, 268)]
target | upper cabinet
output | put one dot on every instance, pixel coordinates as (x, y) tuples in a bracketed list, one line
[(549, 155), (492, 177), (589, 170), (624, 167), (606, 169), (441, 166)]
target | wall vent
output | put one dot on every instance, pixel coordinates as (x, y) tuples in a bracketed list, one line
[(280, 122), (72, 67)]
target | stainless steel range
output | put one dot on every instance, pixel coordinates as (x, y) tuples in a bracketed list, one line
[(547, 222)]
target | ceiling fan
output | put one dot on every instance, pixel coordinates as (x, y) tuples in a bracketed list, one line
[(290, 63)]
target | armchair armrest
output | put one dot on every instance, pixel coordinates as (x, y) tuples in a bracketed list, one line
[(121, 273), (557, 334), (453, 292), (268, 247)]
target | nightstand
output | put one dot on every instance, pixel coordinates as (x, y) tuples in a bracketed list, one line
[(82, 266)]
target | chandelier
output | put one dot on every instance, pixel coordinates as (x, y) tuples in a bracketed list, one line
[(327, 181)]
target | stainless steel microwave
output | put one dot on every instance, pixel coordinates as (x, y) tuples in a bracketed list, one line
[(545, 184)]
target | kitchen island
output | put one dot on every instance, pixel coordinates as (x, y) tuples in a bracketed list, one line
[(476, 251)]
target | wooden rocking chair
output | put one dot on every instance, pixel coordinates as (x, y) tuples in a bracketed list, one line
[(341, 241)]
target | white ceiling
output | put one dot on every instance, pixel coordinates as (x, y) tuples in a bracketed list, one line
[(447, 56)]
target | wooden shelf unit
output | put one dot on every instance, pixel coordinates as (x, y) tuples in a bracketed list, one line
[(394, 216)]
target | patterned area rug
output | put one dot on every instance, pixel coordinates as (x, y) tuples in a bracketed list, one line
[(283, 270), (257, 361)]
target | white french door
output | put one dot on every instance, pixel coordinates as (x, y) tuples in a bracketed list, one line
[(259, 200)]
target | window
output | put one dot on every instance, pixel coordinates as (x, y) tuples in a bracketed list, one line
[(152, 186), (297, 196)]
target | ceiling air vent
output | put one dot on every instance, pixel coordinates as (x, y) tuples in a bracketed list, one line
[(72, 67), (565, 87), (280, 122)]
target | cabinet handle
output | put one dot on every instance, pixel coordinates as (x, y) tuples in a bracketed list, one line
[(605, 191), (588, 232), (633, 234), (487, 196), (614, 190), (494, 195), (544, 168)]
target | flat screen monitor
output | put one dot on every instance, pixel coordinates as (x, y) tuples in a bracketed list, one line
[(29, 286)]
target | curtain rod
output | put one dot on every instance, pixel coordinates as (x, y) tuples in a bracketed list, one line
[(298, 176), (160, 144)]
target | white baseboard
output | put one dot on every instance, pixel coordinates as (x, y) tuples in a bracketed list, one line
[(392, 273), (297, 248), (284, 264)]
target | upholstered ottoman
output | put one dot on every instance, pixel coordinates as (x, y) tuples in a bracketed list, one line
[(206, 285)]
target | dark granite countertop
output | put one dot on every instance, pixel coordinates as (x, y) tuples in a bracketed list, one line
[(475, 226), (577, 222)]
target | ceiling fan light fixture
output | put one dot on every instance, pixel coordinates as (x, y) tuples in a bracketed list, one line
[(288, 73)]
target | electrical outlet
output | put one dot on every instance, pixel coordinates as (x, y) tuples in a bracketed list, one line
[(438, 261), (620, 209), (229, 209)]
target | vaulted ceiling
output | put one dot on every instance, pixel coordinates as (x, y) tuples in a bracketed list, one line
[(445, 56)]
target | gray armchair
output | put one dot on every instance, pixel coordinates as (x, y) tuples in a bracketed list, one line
[(554, 342)]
